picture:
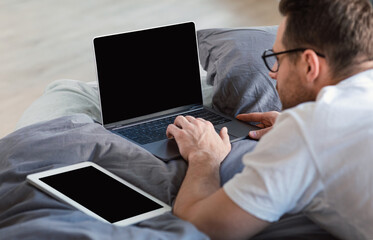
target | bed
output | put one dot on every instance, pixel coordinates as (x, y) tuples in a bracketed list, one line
[(63, 127)]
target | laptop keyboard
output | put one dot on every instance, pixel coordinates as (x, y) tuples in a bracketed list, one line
[(156, 130)]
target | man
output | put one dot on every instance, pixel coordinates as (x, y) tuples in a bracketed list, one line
[(317, 158)]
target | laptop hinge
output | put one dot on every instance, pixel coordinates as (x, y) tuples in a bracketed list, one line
[(152, 117)]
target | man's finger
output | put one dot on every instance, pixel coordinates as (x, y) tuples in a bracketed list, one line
[(250, 117), (259, 133), (201, 119), (171, 131), (190, 118), (224, 135), (181, 121)]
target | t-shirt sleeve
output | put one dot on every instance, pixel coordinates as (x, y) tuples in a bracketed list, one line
[(279, 175)]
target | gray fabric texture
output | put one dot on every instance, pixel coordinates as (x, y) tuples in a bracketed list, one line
[(232, 59), (62, 98), (28, 213)]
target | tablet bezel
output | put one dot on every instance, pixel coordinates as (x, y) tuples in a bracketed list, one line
[(34, 179)]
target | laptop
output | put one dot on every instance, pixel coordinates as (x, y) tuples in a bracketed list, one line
[(146, 78)]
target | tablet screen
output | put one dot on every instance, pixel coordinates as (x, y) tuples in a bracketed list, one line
[(100, 193)]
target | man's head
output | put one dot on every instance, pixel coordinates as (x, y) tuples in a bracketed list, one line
[(338, 38)]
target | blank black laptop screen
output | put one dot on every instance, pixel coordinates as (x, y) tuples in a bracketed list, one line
[(147, 71)]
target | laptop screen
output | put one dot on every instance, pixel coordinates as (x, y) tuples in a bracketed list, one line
[(147, 71)]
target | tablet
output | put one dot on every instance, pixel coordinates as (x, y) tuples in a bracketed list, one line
[(99, 193)]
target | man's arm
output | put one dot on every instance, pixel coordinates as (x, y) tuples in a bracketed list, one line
[(200, 199), (211, 210)]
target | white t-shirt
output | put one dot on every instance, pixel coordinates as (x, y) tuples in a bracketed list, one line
[(318, 158)]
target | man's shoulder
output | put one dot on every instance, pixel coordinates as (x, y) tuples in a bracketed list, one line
[(356, 86), (343, 102)]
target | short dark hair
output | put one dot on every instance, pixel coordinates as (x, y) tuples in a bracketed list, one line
[(340, 29)]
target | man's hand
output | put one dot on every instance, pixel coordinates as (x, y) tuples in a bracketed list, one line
[(200, 199), (197, 139), (266, 120)]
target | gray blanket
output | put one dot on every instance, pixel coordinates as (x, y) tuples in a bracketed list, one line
[(27, 213)]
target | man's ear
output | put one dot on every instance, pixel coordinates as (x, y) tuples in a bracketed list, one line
[(312, 65)]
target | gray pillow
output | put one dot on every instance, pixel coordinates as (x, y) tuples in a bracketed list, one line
[(232, 59)]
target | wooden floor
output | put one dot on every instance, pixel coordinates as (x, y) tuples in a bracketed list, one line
[(45, 40)]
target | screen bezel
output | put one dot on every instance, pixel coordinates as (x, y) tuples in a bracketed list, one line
[(34, 179)]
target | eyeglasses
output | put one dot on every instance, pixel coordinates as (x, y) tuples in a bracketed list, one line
[(271, 61)]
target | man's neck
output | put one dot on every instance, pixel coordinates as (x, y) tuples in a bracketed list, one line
[(355, 69)]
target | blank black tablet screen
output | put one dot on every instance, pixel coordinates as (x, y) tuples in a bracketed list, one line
[(101, 194)]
